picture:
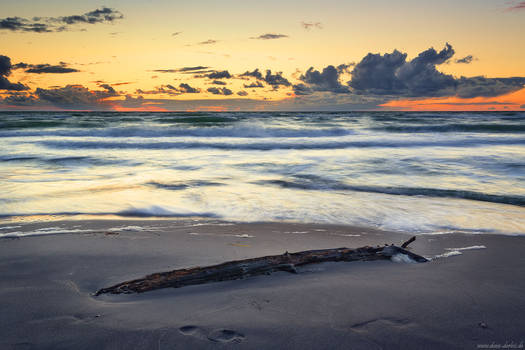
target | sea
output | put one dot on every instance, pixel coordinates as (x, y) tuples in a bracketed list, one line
[(420, 172)]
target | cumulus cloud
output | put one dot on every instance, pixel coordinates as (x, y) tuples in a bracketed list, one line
[(219, 75), (327, 80), (310, 25), (5, 71), (59, 24), (254, 85), (60, 68), (169, 89), (269, 36), (465, 60), (186, 88), (76, 96), (488, 87), (220, 91), (255, 74), (275, 80)]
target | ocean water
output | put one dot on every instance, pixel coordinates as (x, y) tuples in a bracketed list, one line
[(426, 173)]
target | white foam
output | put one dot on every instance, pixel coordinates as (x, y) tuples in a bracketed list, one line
[(9, 227), (447, 254), (244, 235), (402, 258), (467, 248), (41, 232), (131, 228)]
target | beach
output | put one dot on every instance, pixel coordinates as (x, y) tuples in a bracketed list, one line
[(470, 295)]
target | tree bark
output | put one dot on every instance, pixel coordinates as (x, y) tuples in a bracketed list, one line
[(256, 266)]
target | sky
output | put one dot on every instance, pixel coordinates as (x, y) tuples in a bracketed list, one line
[(262, 55)]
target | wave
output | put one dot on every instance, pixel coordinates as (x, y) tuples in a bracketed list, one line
[(152, 211), (154, 132), (183, 185), (324, 185), (263, 146), (474, 128)]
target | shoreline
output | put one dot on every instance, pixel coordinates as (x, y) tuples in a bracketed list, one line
[(452, 302)]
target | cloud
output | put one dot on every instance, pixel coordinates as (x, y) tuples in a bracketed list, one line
[(255, 74), (465, 60), (218, 75), (517, 6), (59, 24), (60, 68), (76, 97), (254, 85), (327, 80), (208, 42), (176, 33), (170, 90), (522, 106), (310, 25), (220, 91), (195, 69), (242, 93), (5, 71), (392, 74), (487, 87), (218, 82), (269, 36), (185, 88), (276, 80)]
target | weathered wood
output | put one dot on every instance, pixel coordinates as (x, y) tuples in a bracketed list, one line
[(252, 267), (404, 245)]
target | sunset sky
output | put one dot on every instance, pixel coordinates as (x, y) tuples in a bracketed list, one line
[(262, 55)]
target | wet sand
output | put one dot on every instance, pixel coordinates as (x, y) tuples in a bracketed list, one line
[(465, 301)]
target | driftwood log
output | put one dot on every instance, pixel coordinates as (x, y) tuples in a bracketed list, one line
[(233, 270)]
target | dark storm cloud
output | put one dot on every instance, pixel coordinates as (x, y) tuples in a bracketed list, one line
[(276, 80), (60, 68), (20, 99), (171, 90), (220, 91), (392, 74), (5, 71), (219, 75), (269, 36), (75, 96), (488, 87), (185, 88), (108, 88), (255, 74), (465, 60), (327, 80), (59, 24), (301, 89), (310, 25), (254, 85)]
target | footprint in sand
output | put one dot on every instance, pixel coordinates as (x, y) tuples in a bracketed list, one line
[(218, 335), (225, 336)]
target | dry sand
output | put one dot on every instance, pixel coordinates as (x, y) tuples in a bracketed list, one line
[(468, 301)]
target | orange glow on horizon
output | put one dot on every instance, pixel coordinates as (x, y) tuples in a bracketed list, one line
[(510, 102)]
